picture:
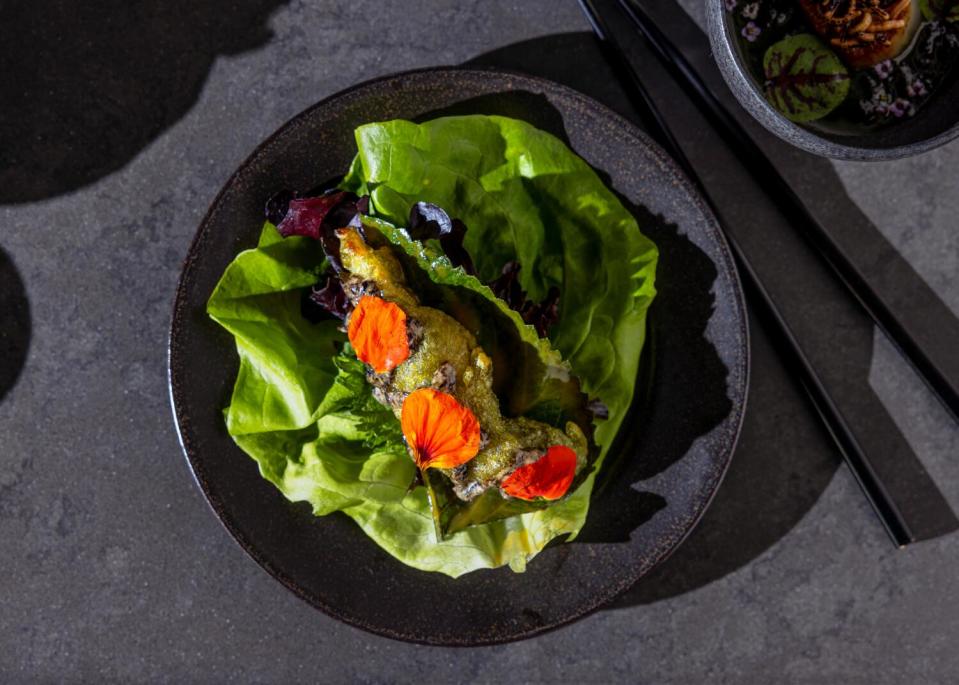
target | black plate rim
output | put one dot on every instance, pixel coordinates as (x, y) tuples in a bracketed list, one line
[(668, 166)]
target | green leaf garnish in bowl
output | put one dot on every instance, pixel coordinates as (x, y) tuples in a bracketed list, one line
[(805, 80)]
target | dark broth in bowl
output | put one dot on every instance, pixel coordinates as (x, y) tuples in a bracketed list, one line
[(848, 66)]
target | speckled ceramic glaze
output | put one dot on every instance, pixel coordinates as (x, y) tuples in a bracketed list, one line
[(935, 124), (661, 474)]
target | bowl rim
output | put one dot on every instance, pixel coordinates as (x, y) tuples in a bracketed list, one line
[(749, 96)]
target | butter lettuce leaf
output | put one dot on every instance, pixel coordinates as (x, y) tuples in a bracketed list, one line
[(298, 407), (525, 196)]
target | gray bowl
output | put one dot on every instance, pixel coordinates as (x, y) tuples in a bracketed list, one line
[(935, 124)]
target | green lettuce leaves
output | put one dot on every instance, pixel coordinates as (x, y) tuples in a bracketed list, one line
[(301, 407), (805, 79)]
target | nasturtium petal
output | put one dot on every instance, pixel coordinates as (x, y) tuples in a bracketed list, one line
[(548, 477), (440, 432), (377, 331)]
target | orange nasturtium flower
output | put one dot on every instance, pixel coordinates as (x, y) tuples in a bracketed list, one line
[(377, 332), (548, 477), (441, 432)]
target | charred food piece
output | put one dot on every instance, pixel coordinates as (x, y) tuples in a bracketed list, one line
[(864, 32)]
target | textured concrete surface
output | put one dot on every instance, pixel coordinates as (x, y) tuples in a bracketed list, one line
[(113, 567)]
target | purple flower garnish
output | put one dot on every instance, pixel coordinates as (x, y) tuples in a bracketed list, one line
[(900, 108), (916, 89), (731, 5), (751, 32), (884, 69)]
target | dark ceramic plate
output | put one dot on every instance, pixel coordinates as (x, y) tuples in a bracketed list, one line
[(670, 458)]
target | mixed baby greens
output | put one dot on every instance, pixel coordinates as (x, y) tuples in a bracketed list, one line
[(552, 250)]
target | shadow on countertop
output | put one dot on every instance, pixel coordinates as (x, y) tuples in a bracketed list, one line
[(87, 86), (14, 324)]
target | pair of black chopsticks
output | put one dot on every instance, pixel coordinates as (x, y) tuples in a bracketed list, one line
[(767, 175)]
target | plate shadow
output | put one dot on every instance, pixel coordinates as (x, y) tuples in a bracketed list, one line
[(676, 351), (87, 86)]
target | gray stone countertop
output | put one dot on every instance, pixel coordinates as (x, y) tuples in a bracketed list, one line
[(112, 566)]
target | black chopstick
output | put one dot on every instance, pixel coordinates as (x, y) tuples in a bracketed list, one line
[(791, 351), (767, 175)]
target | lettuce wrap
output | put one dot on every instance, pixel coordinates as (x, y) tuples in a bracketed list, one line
[(301, 406)]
